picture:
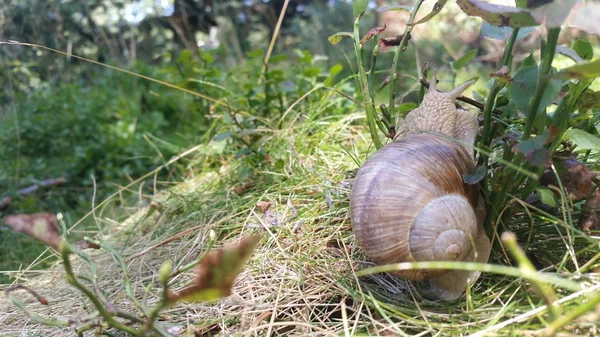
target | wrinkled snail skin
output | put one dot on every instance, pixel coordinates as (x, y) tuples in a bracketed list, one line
[(409, 201)]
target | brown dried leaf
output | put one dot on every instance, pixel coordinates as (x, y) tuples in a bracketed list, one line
[(389, 42), (589, 218), (33, 293), (40, 226), (263, 206), (502, 75), (216, 272), (577, 179), (374, 31), (241, 189), (82, 244)]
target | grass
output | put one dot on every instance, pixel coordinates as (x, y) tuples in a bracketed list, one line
[(302, 279)]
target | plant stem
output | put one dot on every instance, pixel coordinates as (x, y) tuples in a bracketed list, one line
[(496, 87), (545, 290), (368, 102), (65, 252), (35, 317), (581, 309), (394, 72), (542, 81)]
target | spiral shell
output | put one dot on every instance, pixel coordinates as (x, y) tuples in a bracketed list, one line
[(409, 203)]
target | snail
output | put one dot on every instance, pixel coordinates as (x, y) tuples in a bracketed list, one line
[(409, 202)]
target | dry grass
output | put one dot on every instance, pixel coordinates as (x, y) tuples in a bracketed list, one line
[(300, 280)]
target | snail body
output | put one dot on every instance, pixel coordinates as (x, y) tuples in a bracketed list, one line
[(409, 202)]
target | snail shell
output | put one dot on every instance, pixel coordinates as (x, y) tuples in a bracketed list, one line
[(409, 201)]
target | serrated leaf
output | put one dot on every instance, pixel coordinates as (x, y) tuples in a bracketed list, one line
[(439, 5), (546, 196), (584, 49), (584, 140), (337, 37), (465, 59), (581, 70), (359, 7), (216, 273), (394, 8)]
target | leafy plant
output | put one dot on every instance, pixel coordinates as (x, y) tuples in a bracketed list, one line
[(536, 118)]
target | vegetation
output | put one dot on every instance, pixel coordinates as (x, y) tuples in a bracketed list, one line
[(168, 158)]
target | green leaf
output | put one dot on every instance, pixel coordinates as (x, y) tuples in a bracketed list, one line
[(222, 136), (521, 3), (436, 9), (503, 33), (533, 149), (394, 8), (337, 37), (589, 99), (359, 7), (207, 57), (278, 58), (581, 70), (546, 196), (185, 56), (584, 49), (336, 69), (522, 89), (256, 53), (584, 140), (304, 56), (475, 177), (465, 59), (311, 72)]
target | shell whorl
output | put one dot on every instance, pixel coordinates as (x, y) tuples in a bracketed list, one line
[(409, 201), (409, 195)]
